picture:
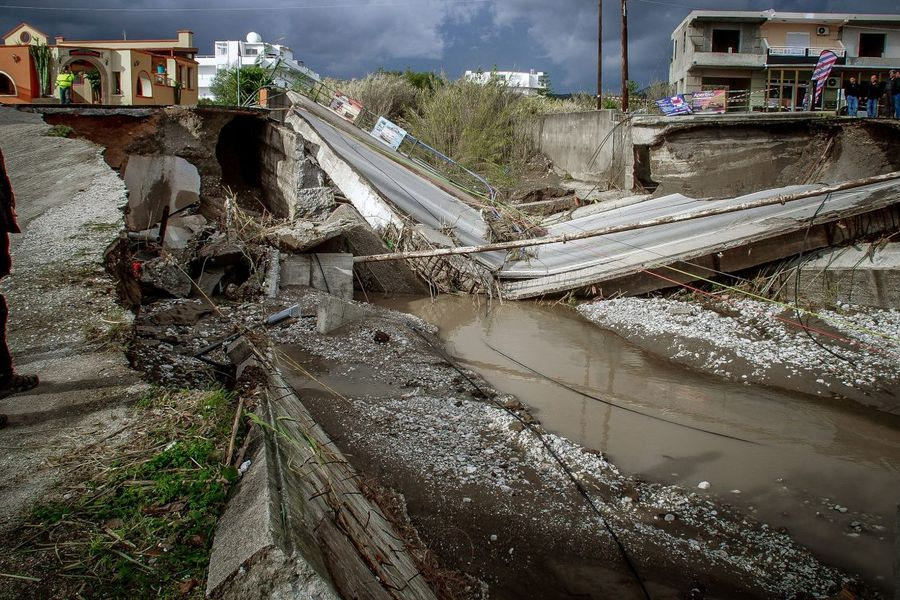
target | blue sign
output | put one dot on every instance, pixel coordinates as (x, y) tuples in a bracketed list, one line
[(676, 105)]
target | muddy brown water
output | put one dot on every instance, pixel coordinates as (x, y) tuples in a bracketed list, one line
[(807, 455)]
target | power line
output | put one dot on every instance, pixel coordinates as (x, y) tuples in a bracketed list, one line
[(135, 9)]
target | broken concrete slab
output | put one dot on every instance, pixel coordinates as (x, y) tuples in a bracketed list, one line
[(333, 313), (867, 275), (246, 560), (332, 272), (209, 280), (166, 275), (362, 240), (313, 203), (303, 235), (155, 182)]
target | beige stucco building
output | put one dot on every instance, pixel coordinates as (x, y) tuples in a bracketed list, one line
[(128, 72), (766, 59)]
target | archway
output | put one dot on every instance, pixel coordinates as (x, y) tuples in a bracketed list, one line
[(91, 80), (7, 85)]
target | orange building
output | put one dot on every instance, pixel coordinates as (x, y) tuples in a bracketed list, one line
[(110, 72)]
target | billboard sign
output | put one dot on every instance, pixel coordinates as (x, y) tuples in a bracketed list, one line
[(676, 105), (388, 133), (712, 101), (345, 106)]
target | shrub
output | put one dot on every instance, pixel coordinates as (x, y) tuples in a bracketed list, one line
[(384, 94)]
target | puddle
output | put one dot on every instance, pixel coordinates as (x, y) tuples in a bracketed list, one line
[(805, 450)]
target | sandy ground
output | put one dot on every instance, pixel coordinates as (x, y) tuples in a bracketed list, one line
[(484, 491), (754, 342), (68, 205)]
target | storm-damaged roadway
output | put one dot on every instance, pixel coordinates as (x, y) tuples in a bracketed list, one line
[(558, 267)]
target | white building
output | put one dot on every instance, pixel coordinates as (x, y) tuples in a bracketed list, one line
[(232, 53), (527, 83)]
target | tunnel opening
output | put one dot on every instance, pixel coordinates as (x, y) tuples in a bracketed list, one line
[(239, 151)]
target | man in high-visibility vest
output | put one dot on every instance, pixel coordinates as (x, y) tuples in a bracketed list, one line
[(64, 82)]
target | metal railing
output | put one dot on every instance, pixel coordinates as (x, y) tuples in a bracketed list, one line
[(411, 147)]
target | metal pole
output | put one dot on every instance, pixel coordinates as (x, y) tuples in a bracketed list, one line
[(624, 57), (599, 54)]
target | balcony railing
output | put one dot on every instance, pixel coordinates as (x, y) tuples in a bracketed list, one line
[(811, 52)]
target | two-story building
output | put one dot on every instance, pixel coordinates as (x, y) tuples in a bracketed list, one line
[(253, 51), (766, 59), (113, 72)]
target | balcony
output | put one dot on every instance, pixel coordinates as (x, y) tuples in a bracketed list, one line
[(751, 60), (795, 55)]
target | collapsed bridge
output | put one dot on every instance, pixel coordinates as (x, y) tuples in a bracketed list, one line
[(441, 223)]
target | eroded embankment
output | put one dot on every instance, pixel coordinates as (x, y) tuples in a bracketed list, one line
[(729, 159)]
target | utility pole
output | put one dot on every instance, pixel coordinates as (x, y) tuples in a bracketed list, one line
[(624, 57), (599, 54)]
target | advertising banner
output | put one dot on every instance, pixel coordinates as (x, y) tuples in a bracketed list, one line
[(712, 101), (345, 106), (388, 133), (675, 105)]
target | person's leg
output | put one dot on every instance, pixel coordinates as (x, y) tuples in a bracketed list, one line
[(871, 107), (852, 106), (897, 106)]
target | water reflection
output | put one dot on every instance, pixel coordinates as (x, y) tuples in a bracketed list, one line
[(806, 448)]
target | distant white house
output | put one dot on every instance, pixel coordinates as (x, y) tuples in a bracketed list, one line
[(232, 53), (527, 83)]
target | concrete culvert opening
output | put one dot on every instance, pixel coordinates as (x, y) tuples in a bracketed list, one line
[(238, 152), (642, 179)]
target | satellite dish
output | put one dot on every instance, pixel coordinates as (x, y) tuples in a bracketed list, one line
[(254, 38)]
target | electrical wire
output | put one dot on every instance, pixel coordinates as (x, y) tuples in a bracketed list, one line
[(562, 463), (610, 403), (136, 9)]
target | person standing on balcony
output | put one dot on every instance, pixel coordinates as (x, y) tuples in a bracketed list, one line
[(893, 90), (64, 82), (874, 92), (852, 92)]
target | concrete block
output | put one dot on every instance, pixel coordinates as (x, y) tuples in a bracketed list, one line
[(334, 313), (332, 273), (246, 561), (155, 182), (312, 203)]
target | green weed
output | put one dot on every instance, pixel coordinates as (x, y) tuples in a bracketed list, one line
[(142, 525), (63, 131)]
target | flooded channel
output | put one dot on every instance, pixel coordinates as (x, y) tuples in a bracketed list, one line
[(802, 456)]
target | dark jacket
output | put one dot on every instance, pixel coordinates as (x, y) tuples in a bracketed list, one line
[(893, 86), (876, 91), (852, 89)]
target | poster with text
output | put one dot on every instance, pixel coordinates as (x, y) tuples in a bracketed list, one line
[(388, 133), (711, 101), (676, 105), (345, 106)]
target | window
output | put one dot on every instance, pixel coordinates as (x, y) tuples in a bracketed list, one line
[(144, 85), (871, 45), (117, 83), (797, 39), (726, 40), (7, 86), (221, 49), (189, 82), (250, 51)]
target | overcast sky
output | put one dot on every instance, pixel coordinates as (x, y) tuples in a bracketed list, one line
[(348, 38)]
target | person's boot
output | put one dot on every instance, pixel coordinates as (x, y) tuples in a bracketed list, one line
[(16, 384)]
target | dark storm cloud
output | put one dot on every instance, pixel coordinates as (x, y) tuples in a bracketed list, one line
[(348, 38)]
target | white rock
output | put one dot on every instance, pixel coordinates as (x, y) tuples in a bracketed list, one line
[(703, 485)]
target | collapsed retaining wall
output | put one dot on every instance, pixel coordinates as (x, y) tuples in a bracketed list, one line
[(715, 155)]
